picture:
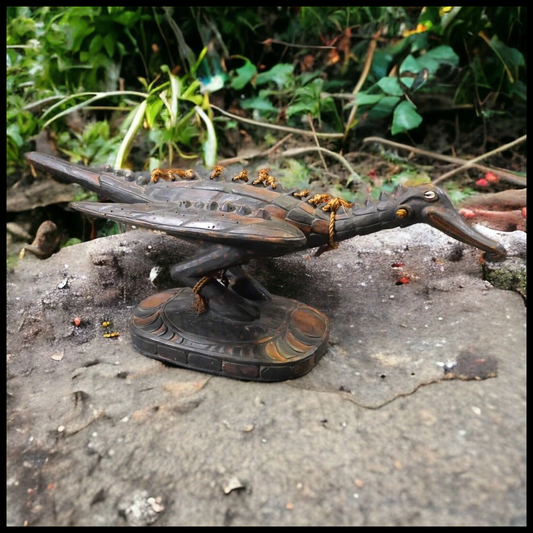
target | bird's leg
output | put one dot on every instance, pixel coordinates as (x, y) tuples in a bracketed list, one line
[(206, 264), (244, 285)]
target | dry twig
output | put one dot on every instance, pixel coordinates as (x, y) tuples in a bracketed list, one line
[(366, 69), (310, 119), (277, 127), (292, 152), (503, 174), (278, 144), (471, 163), (268, 42)]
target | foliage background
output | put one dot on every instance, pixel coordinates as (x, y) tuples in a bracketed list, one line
[(147, 87)]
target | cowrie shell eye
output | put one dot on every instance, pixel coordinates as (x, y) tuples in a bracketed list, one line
[(430, 195)]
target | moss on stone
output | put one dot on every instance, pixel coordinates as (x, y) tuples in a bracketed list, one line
[(512, 277)]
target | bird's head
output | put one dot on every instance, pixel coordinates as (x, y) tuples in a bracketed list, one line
[(430, 204)]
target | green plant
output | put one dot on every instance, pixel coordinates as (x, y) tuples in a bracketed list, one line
[(458, 193), (391, 94), (65, 59), (50, 51), (94, 145), (159, 111), (294, 96)]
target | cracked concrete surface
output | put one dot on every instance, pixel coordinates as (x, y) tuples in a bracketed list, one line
[(374, 435)]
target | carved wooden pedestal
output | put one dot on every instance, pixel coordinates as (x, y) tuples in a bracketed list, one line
[(286, 342)]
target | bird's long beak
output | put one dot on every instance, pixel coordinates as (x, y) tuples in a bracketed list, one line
[(449, 221)]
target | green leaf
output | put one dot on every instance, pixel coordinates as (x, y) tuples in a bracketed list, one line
[(121, 49), (71, 242), (109, 44), (380, 63), (511, 56), (410, 178), (78, 33), (384, 107), (96, 44), (419, 42), (243, 75), (405, 118), (196, 99), (13, 133), (210, 144), (408, 82), (311, 90), (443, 54), (198, 62), (191, 89), (302, 107), (390, 86), (458, 194), (305, 77), (110, 228), (280, 74), (398, 47), (258, 103), (136, 124), (367, 99), (128, 18), (152, 111), (520, 90), (426, 61), (410, 64)]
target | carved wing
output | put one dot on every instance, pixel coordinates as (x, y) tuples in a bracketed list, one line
[(229, 228)]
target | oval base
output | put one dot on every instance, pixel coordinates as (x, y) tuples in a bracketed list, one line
[(286, 342)]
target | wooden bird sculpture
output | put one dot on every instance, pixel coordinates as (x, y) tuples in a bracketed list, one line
[(236, 327)]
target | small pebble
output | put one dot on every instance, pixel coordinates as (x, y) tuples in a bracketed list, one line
[(232, 484)]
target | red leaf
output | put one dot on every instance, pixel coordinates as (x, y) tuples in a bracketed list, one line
[(403, 281), (491, 177)]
